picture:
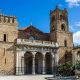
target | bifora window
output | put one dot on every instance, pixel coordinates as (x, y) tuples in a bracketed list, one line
[(63, 27)]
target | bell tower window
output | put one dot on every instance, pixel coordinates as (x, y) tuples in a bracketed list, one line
[(63, 27), (4, 37)]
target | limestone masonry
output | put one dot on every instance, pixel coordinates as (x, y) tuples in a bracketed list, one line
[(31, 51)]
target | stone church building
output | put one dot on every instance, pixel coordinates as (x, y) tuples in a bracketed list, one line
[(31, 51)]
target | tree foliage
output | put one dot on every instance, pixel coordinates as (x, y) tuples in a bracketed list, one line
[(66, 69)]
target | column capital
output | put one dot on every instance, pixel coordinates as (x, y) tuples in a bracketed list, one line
[(34, 53), (44, 53)]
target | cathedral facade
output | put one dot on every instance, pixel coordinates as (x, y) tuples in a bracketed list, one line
[(31, 51)]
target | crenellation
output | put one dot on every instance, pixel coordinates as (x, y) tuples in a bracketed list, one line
[(7, 19)]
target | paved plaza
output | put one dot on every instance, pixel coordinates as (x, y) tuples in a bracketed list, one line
[(34, 77), (26, 77)]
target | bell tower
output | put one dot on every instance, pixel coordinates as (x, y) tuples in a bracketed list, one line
[(59, 31), (59, 26)]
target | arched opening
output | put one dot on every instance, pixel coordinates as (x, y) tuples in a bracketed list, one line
[(28, 62), (48, 59), (68, 56), (38, 63), (63, 27)]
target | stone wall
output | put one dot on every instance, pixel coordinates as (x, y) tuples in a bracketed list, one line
[(8, 28)]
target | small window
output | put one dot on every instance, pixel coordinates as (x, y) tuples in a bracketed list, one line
[(65, 43), (63, 27), (4, 37), (5, 60)]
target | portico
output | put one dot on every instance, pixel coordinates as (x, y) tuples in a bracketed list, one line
[(35, 57)]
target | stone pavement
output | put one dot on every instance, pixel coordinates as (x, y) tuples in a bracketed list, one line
[(33, 77), (26, 77)]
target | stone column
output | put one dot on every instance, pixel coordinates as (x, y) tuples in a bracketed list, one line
[(33, 63), (55, 62), (52, 61), (43, 71), (19, 62), (22, 65)]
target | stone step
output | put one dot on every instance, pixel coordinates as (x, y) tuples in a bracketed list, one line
[(26, 77)]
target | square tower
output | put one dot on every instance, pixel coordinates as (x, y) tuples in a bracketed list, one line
[(59, 32), (8, 35)]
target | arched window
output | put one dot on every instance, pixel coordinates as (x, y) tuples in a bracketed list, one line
[(65, 43), (63, 27), (4, 37)]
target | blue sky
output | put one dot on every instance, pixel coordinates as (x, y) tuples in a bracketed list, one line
[(37, 13)]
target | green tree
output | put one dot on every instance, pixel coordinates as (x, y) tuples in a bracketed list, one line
[(66, 69)]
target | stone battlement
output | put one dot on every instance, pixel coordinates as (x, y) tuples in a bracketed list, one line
[(7, 19)]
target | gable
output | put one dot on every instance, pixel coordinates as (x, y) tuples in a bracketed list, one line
[(31, 31)]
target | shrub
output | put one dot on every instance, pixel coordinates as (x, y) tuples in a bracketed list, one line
[(66, 69)]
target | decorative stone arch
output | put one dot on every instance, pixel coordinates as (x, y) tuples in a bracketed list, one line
[(63, 27), (28, 62), (48, 63), (38, 62)]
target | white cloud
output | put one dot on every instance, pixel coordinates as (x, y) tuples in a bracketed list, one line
[(78, 24), (76, 37), (75, 26), (72, 3)]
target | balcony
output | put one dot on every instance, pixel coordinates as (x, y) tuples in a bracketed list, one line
[(36, 43)]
